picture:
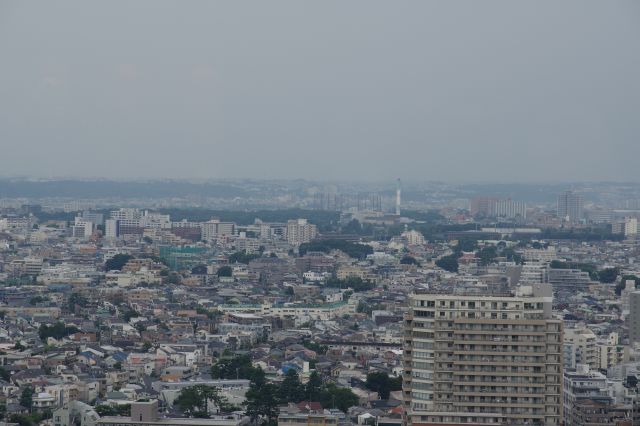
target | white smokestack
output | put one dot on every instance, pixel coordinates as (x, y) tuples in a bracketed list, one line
[(398, 195)]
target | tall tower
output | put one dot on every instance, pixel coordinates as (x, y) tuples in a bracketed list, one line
[(398, 195), (570, 207)]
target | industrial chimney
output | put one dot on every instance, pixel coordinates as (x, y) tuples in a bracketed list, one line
[(398, 194)]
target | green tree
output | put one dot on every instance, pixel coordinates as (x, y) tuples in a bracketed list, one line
[(608, 275), (57, 331), (194, 400), (333, 396), (199, 270), (76, 299), (409, 260), (448, 263), (467, 245), (129, 313), (262, 402), (21, 420), (379, 382), (26, 397), (243, 257), (291, 390), (117, 262), (37, 299), (313, 387), (355, 283), (4, 374), (240, 367), (114, 410), (383, 384), (225, 271), (487, 255), (355, 250), (315, 346)]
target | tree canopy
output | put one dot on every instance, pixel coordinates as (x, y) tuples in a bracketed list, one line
[(117, 262), (448, 263), (381, 383), (355, 250), (57, 331), (194, 400), (225, 271), (243, 257), (355, 283), (239, 367), (26, 397), (409, 260)]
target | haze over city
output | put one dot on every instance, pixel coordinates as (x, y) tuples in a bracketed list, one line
[(329, 213), (470, 91)]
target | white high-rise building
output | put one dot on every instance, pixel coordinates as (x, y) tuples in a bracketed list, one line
[(214, 228), (580, 347), (508, 209), (413, 237), (483, 358), (81, 228), (111, 228), (299, 231), (630, 226), (155, 220)]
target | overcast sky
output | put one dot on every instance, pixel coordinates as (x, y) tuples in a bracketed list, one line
[(447, 90)]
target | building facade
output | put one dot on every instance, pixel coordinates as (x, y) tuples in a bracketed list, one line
[(483, 359)]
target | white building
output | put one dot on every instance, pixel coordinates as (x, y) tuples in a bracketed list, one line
[(413, 237), (299, 231), (580, 347), (81, 228), (214, 228)]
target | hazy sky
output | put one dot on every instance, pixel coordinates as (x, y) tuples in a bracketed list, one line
[(449, 90)]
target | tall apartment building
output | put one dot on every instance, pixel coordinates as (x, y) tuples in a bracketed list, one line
[(509, 209), (299, 231), (494, 207), (112, 228), (413, 237), (580, 347), (633, 320), (570, 206), (481, 205), (481, 359), (214, 228), (628, 227), (93, 217), (127, 216), (81, 228)]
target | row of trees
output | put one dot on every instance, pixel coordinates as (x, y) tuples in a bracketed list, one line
[(57, 331), (194, 401), (355, 250), (355, 283), (263, 398), (486, 254)]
